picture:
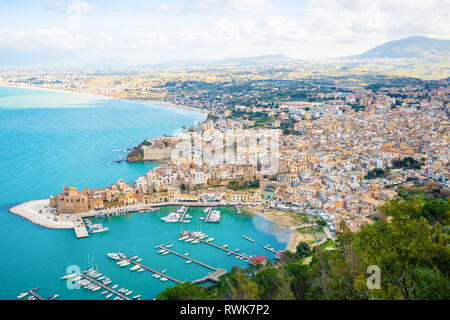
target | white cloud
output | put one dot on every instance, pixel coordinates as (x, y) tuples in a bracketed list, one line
[(214, 28)]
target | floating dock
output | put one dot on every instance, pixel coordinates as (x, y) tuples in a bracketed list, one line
[(270, 249), (33, 293), (184, 213), (186, 257), (117, 293), (209, 277), (245, 237), (151, 270), (222, 248), (208, 214)]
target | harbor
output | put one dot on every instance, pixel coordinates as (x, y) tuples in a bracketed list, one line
[(161, 274), (133, 233), (117, 293)]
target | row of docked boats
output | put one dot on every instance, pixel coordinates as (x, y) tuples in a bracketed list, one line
[(93, 274), (194, 237), (32, 297), (125, 261), (214, 216), (177, 216)]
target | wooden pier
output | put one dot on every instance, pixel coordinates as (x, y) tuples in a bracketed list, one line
[(186, 257), (151, 270), (33, 293), (117, 293)]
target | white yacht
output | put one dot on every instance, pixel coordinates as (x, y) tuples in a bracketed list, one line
[(22, 295), (113, 255)]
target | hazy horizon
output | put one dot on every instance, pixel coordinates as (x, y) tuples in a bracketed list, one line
[(77, 33)]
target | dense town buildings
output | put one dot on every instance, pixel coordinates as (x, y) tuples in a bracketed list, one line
[(336, 159)]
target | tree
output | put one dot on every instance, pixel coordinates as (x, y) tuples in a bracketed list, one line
[(300, 279), (303, 250), (238, 286), (336, 273), (437, 210), (273, 284), (184, 291), (399, 248)]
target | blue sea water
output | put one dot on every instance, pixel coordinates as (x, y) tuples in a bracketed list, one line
[(51, 138)]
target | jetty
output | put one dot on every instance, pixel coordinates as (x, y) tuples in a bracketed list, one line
[(222, 248), (151, 270), (245, 237), (117, 293), (80, 230), (267, 247), (184, 213), (208, 214), (186, 257), (214, 277), (33, 293)]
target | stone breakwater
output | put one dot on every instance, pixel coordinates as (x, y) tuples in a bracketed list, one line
[(39, 213)]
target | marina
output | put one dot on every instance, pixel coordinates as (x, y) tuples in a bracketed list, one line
[(129, 231), (152, 270), (185, 209), (32, 294), (267, 247), (117, 293), (186, 257), (238, 255)]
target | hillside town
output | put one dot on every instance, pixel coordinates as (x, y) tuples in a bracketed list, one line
[(337, 160)]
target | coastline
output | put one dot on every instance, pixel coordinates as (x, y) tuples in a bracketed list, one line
[(283, 222), (168, 104), (99, 96), (30, 211)]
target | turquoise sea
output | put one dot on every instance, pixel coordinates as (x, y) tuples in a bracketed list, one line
[(51, 138)]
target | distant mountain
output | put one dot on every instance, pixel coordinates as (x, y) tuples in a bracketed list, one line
[(421, 48)]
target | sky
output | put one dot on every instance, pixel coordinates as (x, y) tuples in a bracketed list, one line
[(136, 32)]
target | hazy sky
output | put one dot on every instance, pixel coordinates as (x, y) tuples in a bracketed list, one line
[(152, 31)]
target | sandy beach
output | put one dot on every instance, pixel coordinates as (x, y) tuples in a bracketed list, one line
[(172, 105), (284, 221)]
